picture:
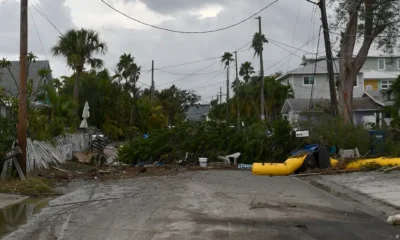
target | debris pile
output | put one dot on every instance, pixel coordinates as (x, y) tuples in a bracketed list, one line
[(43, 154)]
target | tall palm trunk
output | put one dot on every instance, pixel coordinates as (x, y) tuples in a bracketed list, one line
[(227, 93), (76, 89), (76, 84)]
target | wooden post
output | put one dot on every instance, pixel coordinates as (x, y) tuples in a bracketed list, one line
[(22, 99)]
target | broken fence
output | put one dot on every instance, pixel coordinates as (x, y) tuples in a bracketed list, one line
[(43, 154)]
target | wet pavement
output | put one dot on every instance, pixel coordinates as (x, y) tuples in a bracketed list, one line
[(203, 205), (15, 215)]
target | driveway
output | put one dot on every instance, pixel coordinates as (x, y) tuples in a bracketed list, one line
[(202, 205)]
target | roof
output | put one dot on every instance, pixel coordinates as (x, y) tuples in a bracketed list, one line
[(378, 97), (197, 112), (381, 75), (302, 105), (8, 80), (319, 69)]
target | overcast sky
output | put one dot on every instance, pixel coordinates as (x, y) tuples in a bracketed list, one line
[(288, 21)]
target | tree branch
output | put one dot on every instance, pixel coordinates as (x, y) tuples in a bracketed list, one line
[(350, 36), (368, 38)]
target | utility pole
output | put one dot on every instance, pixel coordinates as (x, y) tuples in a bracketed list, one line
[(152, 81), (220, 95), (261, 73), (237, 91), (22, 99), (227, 93), (329, 59)]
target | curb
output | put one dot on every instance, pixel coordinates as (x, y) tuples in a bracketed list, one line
[(359, 201)]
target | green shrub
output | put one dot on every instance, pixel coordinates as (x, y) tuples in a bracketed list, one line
[(335, 132), (211, 140)]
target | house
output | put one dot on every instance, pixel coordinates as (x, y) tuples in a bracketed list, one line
[(366, 109), (9, 79), (198, 113), (378, 73)]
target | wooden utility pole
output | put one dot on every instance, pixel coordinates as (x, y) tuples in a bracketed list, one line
[(152, 81), (220, 95), (22, 98), (237, 91), (329, 59), (261, 73)]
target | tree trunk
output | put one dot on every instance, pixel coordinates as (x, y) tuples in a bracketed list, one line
[(227, 93), (76, 85), (350, 65), (346, 84)]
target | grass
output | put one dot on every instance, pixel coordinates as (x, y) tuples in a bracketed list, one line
[(33, 186)]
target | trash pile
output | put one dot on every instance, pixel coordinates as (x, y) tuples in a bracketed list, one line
[(43, 154)]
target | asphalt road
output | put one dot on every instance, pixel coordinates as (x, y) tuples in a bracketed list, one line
[(202, 205)]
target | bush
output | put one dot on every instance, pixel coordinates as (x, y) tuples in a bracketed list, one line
[(211, 140), (335, 132)]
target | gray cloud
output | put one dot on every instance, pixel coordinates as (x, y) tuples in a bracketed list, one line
[(173, 6), (9, 33), (170, 48)]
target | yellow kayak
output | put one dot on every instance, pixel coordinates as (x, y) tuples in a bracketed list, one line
[(292, 164)]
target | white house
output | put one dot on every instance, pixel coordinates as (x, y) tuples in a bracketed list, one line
[(311, 81), (378, 73)]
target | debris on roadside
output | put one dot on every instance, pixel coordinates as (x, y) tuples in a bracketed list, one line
[(62, 173), (301, 226), (230, 159), (245, 166), (394, 220), (396, 168)]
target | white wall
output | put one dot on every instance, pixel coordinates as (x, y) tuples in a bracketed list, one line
[(321, 86), (391, 64)]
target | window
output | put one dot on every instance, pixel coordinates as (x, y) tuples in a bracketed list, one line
[(386, 84), (398, 64), (308, 81), (381, 64)]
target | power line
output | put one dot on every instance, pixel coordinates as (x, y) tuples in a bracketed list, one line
[(190, 74), (199, 61), (209, 85), (37, 31), (184, 74), (188, 32), (291, 53), (187, 63), (41, 12), (295, 27), (208, 80), (284, 44)]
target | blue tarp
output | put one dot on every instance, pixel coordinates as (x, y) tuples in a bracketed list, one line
[(306, 148)]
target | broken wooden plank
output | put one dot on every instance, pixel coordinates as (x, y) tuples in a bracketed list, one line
[(60, 169), (391, 169), (6, 166), (104, 172), (18, 167)]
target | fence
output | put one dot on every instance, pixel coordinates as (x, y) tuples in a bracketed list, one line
[(43, 154)]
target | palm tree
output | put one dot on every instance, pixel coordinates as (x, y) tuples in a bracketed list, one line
[(258, 45), (130, 72), (226, 59), (246, 70), (79, 48)]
